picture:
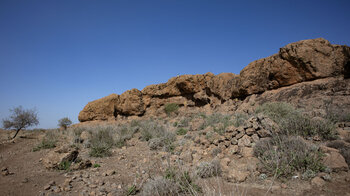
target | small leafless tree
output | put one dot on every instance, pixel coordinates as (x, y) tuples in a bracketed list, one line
[(20, 119), (64, 122)]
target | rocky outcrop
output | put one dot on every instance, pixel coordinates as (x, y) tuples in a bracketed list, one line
[(295, 63)]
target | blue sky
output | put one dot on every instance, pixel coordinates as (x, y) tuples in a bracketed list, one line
[(57, 55)]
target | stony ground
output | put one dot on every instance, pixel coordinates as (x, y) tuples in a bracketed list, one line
[(128, 169)]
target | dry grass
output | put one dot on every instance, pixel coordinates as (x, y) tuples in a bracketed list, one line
[(49, 141), (209, 169)]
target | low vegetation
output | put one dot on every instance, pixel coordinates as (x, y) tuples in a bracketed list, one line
[(64, 122), (170, 108), (181, 131), (209, 169), (219, 122), (287, 153), (292, 121), (20, 119), (174, 182), (239, 119), (284, 156), (157, 136), (64, 165), (101, 141), (336, 113), (48, 141)]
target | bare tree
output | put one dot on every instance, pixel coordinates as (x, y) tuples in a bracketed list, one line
[(20, 119), (64, 122)]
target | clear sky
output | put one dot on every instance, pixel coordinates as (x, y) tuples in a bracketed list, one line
[(57, 55)]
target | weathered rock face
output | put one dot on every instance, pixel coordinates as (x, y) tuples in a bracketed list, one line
[(100, 109), (295, 63)]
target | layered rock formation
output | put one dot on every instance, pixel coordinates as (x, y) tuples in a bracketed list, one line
[(295, 63)]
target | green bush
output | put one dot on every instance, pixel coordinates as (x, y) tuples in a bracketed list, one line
[(181, 131), (64, 122), (64, 165), (96, 165), (101, 142), (171, 108), (284, 156)]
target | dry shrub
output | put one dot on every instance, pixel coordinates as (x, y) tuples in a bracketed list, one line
[(239, 119), (101, 141), (157, 136), (49, 141), (160, 187), (283, 156), (209, 169), (293, 122), (218, 121)]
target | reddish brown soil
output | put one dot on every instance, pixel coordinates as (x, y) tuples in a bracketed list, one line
[(133, 165), (29, 176)]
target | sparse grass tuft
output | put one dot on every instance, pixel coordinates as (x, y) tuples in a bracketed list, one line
[(160, 187), (209, 169), (132, 190), (174, 182), (49, 141), (157, 136), (76, 132), (218, 121), (124, 133), (239, 119), (96, 165), (277, 110)]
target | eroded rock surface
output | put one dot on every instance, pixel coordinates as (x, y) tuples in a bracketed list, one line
[(295, 63)]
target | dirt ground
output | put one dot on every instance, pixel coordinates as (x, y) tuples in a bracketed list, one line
[(130, 165)]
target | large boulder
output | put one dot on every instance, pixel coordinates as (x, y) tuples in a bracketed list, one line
[(297, 62), (130, 103), (335, 161), (100, 109)]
